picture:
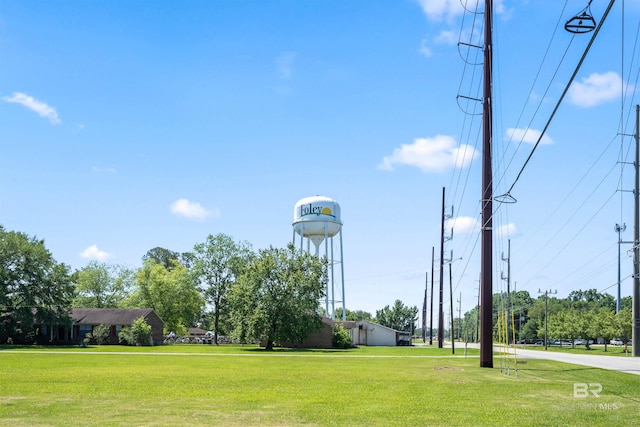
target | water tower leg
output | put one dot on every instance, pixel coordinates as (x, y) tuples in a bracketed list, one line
[(301, 236), (344, 308), (326, 256), (333, 290)]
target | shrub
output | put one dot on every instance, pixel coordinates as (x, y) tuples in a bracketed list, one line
[(341, 338), (101, 334), (86, 340), (138, 334)]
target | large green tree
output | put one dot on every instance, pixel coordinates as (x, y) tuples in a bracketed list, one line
[(353, 315), (399, 317), (99, 285), (605, 325), (166, 257), (171, 292), (34, 287), (591, 299), (218, 262), (276, 299), (623, 324)]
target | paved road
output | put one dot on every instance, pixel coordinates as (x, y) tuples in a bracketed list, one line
[(626, 364)]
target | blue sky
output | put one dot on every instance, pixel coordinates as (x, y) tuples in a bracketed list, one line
[(127, 125)]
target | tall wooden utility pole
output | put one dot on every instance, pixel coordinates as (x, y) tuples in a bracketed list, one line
[(486, 265), (451, 334), (635, 345), (424, 309), (433, 254), (441, 309)]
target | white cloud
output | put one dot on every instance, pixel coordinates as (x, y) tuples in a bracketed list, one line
[(284, 63), (469, 225), (34, 105), (441, 10), (506, 230), (530, 136), (462, 225), (92, 252), (448, 37), (596, 89), (435, 154), (499, 8), (191, 210), (424, 48)]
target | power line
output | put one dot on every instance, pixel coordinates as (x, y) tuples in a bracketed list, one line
[(508, 195)]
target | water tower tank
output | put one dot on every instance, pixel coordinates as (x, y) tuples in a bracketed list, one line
[(317, 217)]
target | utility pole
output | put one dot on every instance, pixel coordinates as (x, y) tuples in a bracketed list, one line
[(619, 229), (478, 316), (460, 317), (441, 308), (546, 316), (635, 347), (453, 346), (486, 245), (433, 249), (515, 289), (424, 309)]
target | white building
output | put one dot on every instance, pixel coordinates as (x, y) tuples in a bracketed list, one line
[(372, 334)]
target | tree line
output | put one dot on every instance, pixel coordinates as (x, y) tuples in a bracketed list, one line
[(586, 315), (271, 295)]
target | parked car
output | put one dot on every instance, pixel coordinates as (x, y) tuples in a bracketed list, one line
[(615, 342)]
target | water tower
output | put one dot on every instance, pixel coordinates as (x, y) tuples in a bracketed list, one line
[(317, 219)]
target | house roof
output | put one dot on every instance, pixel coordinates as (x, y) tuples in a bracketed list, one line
[(108, 316), (376, 325)]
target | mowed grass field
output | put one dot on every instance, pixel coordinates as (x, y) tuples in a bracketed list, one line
[(594, 350), (245, 386)]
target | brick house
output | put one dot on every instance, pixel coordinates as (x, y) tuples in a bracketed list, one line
[(322, 338), (83, 320)]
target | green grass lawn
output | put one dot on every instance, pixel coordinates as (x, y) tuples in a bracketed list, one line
[(595, 349), (244, 386)]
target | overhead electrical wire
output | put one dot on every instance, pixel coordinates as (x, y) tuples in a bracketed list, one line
[(533, 84), (460, 185), (508, 195), (568, 196)]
